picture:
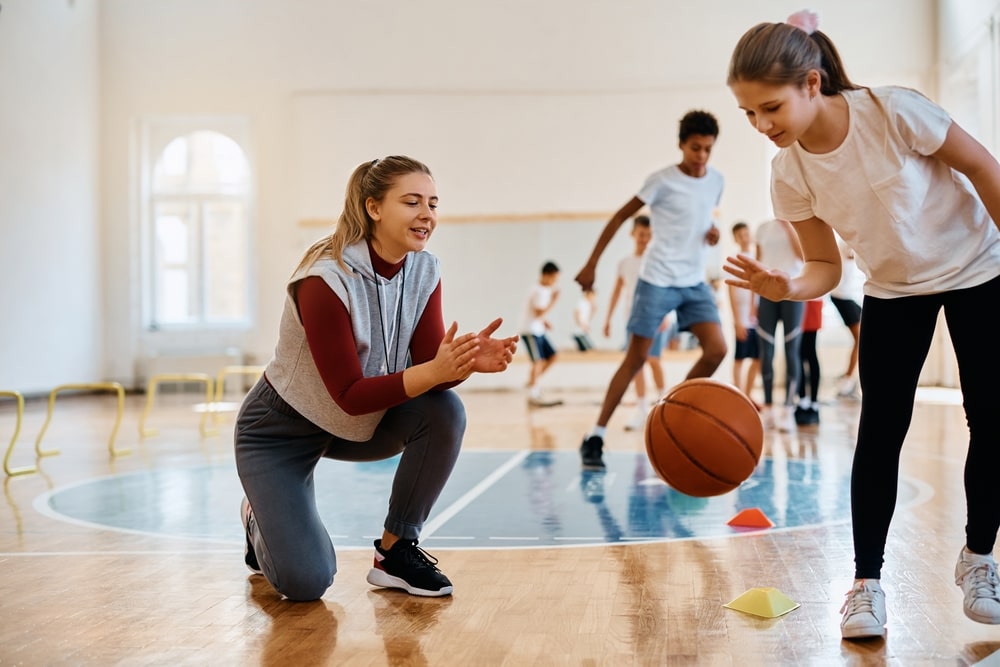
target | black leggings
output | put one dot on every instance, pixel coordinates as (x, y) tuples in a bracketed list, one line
[(789, 313), (895, 337), (809, 368)]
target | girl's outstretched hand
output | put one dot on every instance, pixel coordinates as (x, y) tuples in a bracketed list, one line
[(752, 275), (494, 354), (456, 355)]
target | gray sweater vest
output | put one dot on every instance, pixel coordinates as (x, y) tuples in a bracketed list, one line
[(382, 347)]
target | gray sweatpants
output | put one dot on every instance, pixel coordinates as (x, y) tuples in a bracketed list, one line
[(277, 450)]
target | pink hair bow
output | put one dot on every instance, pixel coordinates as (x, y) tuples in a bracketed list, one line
[(804, 20)]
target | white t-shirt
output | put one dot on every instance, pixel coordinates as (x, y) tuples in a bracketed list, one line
[(915, 225), (582, 314), (628, 271), (743, 305), (852, 280), (680, 214), (539, 297), (776, 249)]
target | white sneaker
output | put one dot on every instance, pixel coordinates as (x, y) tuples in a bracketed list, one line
[(847, 387), (542, 402), (977, 575), (638, 422), (785, 420), (864, 611), (767, 417)]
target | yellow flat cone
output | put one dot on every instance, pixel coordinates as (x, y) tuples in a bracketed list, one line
[(752, 517), (764, 602)]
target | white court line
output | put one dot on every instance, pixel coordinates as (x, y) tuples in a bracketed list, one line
[(157, 552), (582, 538), (514, 539), (472, 494)]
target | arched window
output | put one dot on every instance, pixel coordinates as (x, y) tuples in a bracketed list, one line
[(198, 239)]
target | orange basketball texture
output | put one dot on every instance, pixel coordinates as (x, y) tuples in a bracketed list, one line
[(704, 437)]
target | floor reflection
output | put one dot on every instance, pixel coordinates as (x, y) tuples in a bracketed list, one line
[(500, 499)]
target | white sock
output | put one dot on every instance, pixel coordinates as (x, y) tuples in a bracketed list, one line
[(642, 404), (535, 392), (972, 557), (599, 431)]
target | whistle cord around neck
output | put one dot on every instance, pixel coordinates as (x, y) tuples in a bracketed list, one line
[(382, 322)]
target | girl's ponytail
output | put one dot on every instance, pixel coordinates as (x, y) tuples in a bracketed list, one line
[(784, 53), (835, 77)]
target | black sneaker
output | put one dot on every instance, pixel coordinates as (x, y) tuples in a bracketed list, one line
[(249, 556), (813, 417), (802, 416), (409, 567), (591, 453), (807, 416)]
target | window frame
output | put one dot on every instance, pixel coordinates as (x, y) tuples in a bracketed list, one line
[(155, 133)]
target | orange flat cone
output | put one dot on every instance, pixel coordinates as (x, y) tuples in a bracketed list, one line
[(764, 602), (751, 518), (992, 660)]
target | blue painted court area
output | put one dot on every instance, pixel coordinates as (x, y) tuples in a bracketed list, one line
[(493, 500)]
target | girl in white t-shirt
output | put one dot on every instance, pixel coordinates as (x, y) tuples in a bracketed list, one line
[(916, 198)]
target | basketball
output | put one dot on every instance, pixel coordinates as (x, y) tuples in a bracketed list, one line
[(704, 437)]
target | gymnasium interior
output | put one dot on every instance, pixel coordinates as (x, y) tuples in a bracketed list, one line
[(165, 164)]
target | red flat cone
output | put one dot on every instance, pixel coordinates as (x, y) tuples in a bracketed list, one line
[(751, 518)]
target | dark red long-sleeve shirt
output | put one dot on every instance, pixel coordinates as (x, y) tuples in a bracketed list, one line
[(328, 329)]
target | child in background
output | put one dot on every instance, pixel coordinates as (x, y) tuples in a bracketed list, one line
[(681, 198), (744, 305), (624, 290), (582, 316), (847, 297), (541, 299), (807, 411), (778, 247)]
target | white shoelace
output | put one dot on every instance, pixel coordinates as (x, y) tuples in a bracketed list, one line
[(859, 601), (983, 581)]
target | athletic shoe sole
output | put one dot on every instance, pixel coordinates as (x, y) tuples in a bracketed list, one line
[(383, 579), (247, 547), (871, 631), (986, 620)]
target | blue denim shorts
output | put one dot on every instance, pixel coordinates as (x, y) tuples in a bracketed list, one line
[(661, 339), (694, 305)]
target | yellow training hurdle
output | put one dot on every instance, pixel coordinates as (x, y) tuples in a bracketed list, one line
[(220, 381), (23, 470), (156, 380), (102, 386)]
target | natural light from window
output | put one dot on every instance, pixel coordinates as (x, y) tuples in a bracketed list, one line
[(199, 211)]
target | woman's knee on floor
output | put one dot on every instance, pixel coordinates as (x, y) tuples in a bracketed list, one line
[(304, 583)]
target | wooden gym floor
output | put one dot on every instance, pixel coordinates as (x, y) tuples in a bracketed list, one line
[(99, 568)]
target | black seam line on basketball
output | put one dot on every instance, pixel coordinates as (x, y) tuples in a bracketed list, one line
[(687, 452), (713, 418), (693, 461)]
